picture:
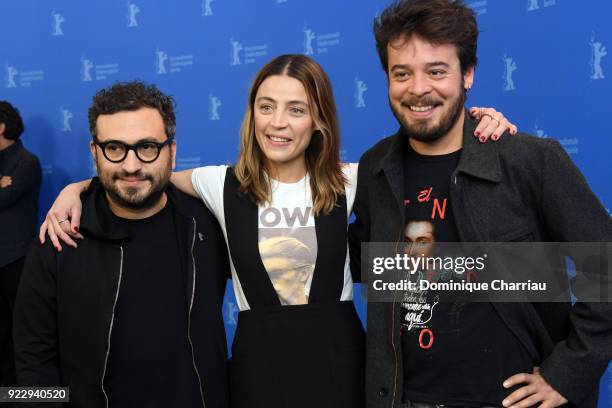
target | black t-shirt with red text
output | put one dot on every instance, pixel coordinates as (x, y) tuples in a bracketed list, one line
[(454, 353)]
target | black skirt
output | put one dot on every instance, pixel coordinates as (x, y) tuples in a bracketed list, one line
[(302, 356)]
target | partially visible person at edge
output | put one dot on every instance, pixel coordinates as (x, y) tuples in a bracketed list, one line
[(20, 178), (522, 188), (132, 317), (283, 209)]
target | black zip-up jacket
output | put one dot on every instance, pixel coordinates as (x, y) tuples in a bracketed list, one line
[(18, 202), (521, 188), (65, 303)]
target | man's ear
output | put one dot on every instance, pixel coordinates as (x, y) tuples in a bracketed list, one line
[(92, 148), (468, 78), (2, 129), (173, 153)]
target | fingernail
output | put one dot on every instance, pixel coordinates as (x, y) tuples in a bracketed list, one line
[(482, 139), (505, 385), (76, 229), (495, 137), (476, 134)]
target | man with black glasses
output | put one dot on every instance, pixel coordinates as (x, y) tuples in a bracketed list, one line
[(132, 316)]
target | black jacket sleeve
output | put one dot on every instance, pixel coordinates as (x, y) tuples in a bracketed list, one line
[(572, 213), (35, 324), (26, 177)]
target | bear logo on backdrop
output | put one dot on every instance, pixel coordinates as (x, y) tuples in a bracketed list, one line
[(213, 108), (533, 5), (235, 52), (66, 118), (360, 89), (86, 67), (206, 8), (598, 51), (56, 26), (160, 62), (509, 68), (133, 10), (309, 37), (11, 73)]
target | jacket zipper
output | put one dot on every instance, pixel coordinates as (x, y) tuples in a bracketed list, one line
[(189, 314), (393, 346), (394, 354), (110, 327), (394, 393)]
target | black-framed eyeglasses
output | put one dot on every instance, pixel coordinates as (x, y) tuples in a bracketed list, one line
[(147, 151)]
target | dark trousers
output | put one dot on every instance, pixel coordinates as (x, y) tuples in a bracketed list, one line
[(9, 281)]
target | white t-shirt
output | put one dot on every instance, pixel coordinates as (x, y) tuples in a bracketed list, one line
[(287, 237)]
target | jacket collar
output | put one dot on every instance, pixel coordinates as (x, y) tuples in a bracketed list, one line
[(477, 159), (98, 220), (12, 148)]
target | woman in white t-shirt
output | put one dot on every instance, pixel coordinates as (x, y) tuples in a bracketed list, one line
[(283, 209)]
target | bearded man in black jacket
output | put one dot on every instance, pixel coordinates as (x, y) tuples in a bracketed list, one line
[(522, 188), (132, 316)]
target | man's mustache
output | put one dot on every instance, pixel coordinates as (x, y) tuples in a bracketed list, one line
[(139, 175)]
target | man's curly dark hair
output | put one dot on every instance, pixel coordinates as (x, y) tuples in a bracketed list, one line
[(131, 96), (435, 21), (13, 124)]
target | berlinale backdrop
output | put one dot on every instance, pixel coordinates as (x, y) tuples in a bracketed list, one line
[(544, 63)]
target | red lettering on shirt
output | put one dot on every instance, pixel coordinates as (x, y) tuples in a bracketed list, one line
[(441, 210), (425, 195), (430, 336)]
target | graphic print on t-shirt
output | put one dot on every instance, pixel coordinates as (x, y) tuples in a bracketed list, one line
[(422, 209), (288, 245), (286, 209), (427, 222)]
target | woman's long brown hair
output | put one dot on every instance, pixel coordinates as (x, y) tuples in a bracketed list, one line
[(322, 154)]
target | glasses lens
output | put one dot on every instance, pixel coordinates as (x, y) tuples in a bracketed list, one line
[(147, 151), (114, 151)]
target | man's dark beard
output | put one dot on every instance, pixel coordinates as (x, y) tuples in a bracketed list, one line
[(133, 202), (421, 132)]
